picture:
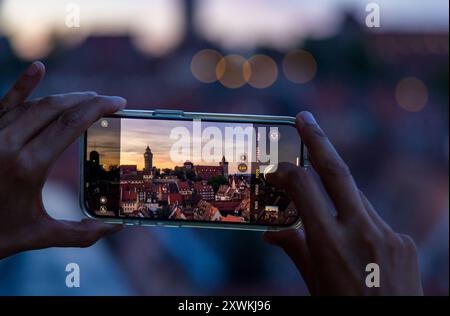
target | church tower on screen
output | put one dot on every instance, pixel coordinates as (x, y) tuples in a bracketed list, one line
[(148, 159), (224, 164)]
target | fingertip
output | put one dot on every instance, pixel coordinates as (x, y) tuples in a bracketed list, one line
[(113, 103), (270, 169), (101, 225), (106, 104), (305, 118), (119, 102), (41, 67), (35, 69), (100, 229)]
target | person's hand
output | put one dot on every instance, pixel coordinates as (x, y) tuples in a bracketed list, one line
[(32, 136), (342, 232)]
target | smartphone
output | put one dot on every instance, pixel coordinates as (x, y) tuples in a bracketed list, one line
[(184, 169)]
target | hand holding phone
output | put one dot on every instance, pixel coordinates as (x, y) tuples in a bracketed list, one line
[(32, 135), (175, 168), (333, 251)]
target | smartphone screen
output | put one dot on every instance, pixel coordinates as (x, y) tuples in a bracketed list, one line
[(181, 170)]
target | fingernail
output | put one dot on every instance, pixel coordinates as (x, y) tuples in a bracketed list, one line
[(118, 101), (269, 169), (35, 68)]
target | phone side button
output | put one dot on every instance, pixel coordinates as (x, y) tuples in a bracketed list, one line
[(130, 222), (166, 225), (163, 112)]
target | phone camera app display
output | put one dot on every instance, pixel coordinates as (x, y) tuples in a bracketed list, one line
[(172, 170)]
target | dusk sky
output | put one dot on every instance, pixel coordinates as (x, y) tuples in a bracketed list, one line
[(137, 134)]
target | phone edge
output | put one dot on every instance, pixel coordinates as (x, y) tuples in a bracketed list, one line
[(175, 114)]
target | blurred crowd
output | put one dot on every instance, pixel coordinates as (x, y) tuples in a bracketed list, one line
[(381, 96)]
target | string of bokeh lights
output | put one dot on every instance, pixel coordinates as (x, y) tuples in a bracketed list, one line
[(259, 71), (299, 66)]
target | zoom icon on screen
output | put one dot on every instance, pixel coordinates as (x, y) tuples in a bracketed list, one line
[(242, 167)]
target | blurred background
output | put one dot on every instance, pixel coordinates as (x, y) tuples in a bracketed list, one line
[(381, 94)]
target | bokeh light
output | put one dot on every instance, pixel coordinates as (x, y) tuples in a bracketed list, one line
[(233, 71), (32, 48), (299, 66), (411, 94), (263, 71), (203, 65), (155, 27)]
